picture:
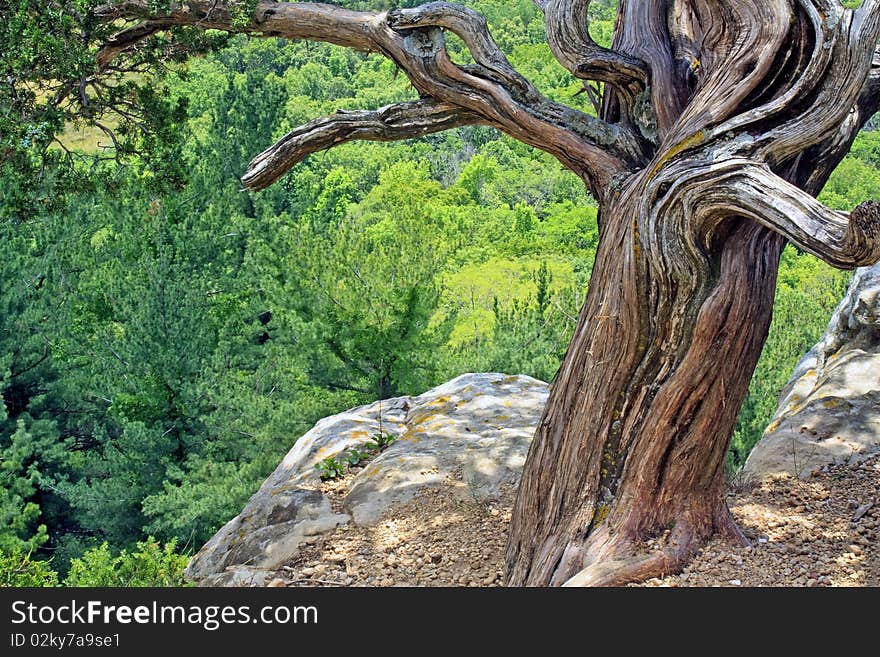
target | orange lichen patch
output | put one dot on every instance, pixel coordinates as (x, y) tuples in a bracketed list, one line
[(418, 420), (435, 426), (371, 471), (683, 145)]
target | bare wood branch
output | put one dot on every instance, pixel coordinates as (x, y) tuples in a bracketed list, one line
[(413, 39), (126, 39), (733, 48), (642, 32), (844, 240), (822, 107), (868, 102), (846, 69), (813, 107), (569, 38), (400, 121), (469, 26), (315, 21), (868, 9)]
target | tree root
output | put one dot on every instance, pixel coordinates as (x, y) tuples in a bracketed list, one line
[(616, 553), (727, 528), (622, 565)]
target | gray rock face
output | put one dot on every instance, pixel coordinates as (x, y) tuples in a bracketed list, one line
[(276, 521), (471, 433), (829, 411), (474, 431)]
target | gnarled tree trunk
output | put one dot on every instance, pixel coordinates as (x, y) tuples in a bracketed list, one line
[(634, 435), (720, 122), (633, 440)]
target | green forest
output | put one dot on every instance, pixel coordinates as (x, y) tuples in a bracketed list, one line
[(165, 336)]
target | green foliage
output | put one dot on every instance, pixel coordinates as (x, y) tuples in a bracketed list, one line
[(18, 569), (28, 468), (149, 564), (165, 336), (330, 468), (380, 441), (354, 457)]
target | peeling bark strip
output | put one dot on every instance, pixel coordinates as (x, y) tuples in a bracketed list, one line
[(721, 122)]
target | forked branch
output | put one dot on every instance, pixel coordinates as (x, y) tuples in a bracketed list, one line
[(490, 91), (569, 38)]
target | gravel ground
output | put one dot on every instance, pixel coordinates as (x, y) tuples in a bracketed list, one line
[(823, 531)]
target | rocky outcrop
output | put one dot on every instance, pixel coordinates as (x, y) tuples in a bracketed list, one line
[(471, 433), (829, 412)]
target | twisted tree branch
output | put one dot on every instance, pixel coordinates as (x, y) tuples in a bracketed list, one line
[(850, 43), (470, 27), (128, 38), (413, 38), (569, 38), (844, 240), (868, 102), (393, 122)]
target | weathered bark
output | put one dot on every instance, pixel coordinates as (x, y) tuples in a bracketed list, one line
[(720, 123), (413, 119), (632, 443), (413, 39)]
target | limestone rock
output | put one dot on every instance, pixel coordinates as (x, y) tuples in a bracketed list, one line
[(473, 432), (829, 412), (276, 521)]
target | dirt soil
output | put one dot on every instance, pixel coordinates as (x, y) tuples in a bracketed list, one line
[(823, 531)]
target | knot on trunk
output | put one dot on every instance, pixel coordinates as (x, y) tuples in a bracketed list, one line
[(866, 219), (863, 232), (424, 42)]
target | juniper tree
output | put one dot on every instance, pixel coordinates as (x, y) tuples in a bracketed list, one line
[(717, 124)]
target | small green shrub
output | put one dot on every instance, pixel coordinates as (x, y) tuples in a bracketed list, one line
[(18, 569), (354, 457), (330, 468), (150, 564), (379, 441)]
